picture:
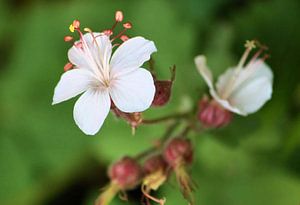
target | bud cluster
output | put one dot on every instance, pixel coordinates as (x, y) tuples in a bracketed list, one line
[(127, 173)]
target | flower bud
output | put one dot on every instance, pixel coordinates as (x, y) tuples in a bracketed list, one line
[(162, 92), (178, 151), (154, 163), (212, 115), (155, 175), (126, 173)]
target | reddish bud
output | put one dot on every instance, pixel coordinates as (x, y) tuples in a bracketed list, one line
[(108, 32), (119, 16), (76, 24), (124, 38), (178, 151), (68, 38), (212, 115), (126, 173), (162, 92), (68, 66), (127, 25), (154, 163)]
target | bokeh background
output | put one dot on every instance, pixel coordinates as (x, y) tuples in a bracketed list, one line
[(46, 160)]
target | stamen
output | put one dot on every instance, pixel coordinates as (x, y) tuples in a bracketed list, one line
[(68, 66), (71, 28), (76, 24), (146, 193), (123, 196), (228, 88), (116, 44), (257, 54), (68, 38), (249, 46), (266, 56), (83, 45), (78, 45), (92, 34), (127, 25), (107, 32), (87, 30), (119, 16), (119, 35), (133, 129)]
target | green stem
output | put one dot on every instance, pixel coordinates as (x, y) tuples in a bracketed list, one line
[(166, 118)]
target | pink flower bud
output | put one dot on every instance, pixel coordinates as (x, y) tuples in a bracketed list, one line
[(212, 115), (119, 16), (127, 25), (162, 92), (154, 163), (178, 151), (126, 173)]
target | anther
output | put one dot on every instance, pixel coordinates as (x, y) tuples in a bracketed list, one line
[(68, 38), (119, 16), (108, 32), (76, 24), (265, 57), (127, 25), (250, 44), (87, 30), (124, 38), (71, 28), (68, 66)]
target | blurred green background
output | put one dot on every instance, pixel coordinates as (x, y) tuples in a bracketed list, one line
[(46, 160)]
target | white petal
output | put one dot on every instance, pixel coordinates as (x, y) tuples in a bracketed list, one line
[(131, 55), (224, 80), (91, 109), (200, 62), (251, 72), (78, 57), (225, 103), (94, 55), (252, 95), (72, 83), (133, 92)]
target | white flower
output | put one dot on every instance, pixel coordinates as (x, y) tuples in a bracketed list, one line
[(241, 89), (102, 79)]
